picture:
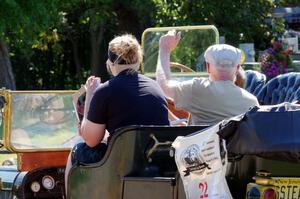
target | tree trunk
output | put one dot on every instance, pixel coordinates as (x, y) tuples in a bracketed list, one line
[(97, 68), (7, 79), (76, 60)]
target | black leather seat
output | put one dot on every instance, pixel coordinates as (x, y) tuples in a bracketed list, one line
[(283, 88), (254, 81), (268, 139)]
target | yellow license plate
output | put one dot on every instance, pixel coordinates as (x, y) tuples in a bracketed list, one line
[(284, 188), (287, 188)]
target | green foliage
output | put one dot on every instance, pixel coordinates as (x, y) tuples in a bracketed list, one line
[(237, 20), (59, 55), (52, 42), (278, 28), (189, 51), (168, 13), (20, 18)]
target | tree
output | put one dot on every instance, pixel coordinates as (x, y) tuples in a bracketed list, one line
[(6, 76), (101, 20), (237, 20), (76, 45), (21, 21)]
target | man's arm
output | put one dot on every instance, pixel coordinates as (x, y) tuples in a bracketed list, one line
[(167, 43)]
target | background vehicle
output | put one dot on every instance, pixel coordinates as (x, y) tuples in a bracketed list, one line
[(37, 128)]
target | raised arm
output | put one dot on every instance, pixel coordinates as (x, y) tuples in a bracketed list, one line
[(167, 43), (91, 132)]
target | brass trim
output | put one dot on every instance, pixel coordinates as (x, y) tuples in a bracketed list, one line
[(43, 91), (6, 114), (263, 180), (162, 29)]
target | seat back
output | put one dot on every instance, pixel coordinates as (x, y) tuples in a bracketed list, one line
[(254, 81), (129, 155), (271, 134), (283, 88)]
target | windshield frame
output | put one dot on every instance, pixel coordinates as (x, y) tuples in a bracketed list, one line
[(177, 28), (7, 118)]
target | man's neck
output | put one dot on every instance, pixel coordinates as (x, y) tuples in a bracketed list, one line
[(216, 78)]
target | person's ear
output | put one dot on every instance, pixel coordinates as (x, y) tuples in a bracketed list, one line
[(237, 69), (207, 67)]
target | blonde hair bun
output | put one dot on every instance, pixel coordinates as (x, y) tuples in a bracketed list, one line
[(127, 48)]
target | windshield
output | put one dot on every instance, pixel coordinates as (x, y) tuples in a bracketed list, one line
[(189, 52), (42, 121)]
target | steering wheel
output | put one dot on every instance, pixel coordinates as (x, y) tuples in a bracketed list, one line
[(181, 114), (183, 68)]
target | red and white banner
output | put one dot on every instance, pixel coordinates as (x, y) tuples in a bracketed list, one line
[(202, 165)]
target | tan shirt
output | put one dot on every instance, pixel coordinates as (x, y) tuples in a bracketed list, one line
[(210, 102)]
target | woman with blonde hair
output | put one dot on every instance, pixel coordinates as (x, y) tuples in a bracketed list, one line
[(129, 98)]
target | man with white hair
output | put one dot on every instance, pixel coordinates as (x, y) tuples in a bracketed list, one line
[(208, 100)]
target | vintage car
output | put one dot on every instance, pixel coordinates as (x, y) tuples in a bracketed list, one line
[(139, 161), (38, 128)]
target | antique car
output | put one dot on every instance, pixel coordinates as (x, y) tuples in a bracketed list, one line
[(139, 161), (38, 128)]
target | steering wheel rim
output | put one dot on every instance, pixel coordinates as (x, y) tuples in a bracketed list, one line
[(181, 114), (182, 67)]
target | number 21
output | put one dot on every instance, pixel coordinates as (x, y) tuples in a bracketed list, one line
[(203, 188)]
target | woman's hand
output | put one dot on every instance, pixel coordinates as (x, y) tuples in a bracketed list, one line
[(92, 83)]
